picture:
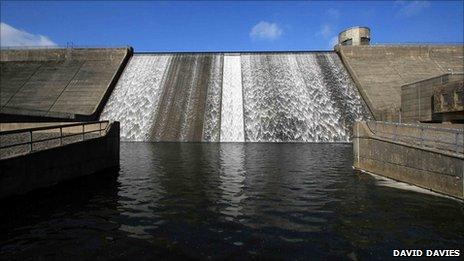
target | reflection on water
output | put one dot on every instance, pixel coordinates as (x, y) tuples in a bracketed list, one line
[(227, 200), (232, 177)]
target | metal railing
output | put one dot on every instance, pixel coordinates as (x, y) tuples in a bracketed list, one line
[(30, 139), (447, 139)]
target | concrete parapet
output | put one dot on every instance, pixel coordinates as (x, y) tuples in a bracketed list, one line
[(428, 157), (60, 54), (49, 166), (71, 84), (379, 71)]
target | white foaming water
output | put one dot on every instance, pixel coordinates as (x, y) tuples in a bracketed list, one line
[(135, 98), (189, 112), (353, 108), (353, 99), (232, 101), (286, 99), (212, 120)]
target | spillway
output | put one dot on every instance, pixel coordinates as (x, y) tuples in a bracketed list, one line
[(232, 101), (180, 114), (136, 96), (241, 97), (212, 121)]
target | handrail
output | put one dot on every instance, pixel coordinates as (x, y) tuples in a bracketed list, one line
[(50, 127), (455, 146), (433, 78), (418, 126), (31, 131)]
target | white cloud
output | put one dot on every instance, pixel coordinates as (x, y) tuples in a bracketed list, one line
[(333, 13), (10, 36), (325, 31), (266, 31), (411, 8)]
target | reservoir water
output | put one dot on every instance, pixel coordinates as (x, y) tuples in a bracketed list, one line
[(228, 200)]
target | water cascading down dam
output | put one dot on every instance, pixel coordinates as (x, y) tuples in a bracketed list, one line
[(236, 97)]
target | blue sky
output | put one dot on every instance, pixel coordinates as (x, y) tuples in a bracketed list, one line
[(226, 26)]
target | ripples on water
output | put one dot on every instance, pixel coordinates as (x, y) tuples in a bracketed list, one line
[(229, 200)]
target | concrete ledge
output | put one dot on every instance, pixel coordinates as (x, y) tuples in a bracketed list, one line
[(47, 167), (426, 167), (57, 54)]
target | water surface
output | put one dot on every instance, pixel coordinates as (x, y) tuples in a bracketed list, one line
[(228, 200)]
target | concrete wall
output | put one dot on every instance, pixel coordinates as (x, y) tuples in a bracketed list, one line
[(47, 167), (59, 83), (380, 71), (417, 98), (431, 167)]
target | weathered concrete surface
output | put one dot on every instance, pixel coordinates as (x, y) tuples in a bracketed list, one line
[(417, 98), (432, 164), (380, 71), (448, 101), (59, 83), (47, 167), (452, 97)]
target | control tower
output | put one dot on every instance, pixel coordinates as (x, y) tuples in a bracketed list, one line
[(358, 35)]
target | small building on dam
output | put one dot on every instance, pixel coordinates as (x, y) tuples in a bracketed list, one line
[(402, 106)]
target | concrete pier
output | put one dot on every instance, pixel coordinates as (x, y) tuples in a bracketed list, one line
[(422, 155), (57, 153)]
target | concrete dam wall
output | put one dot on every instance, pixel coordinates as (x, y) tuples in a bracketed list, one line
[(59, 83), (236, 97), (380, 71)]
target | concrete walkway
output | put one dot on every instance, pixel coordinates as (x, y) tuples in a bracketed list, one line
[(425, 156)]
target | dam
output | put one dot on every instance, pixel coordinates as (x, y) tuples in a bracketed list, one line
[(236, 97), (113, 154)]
